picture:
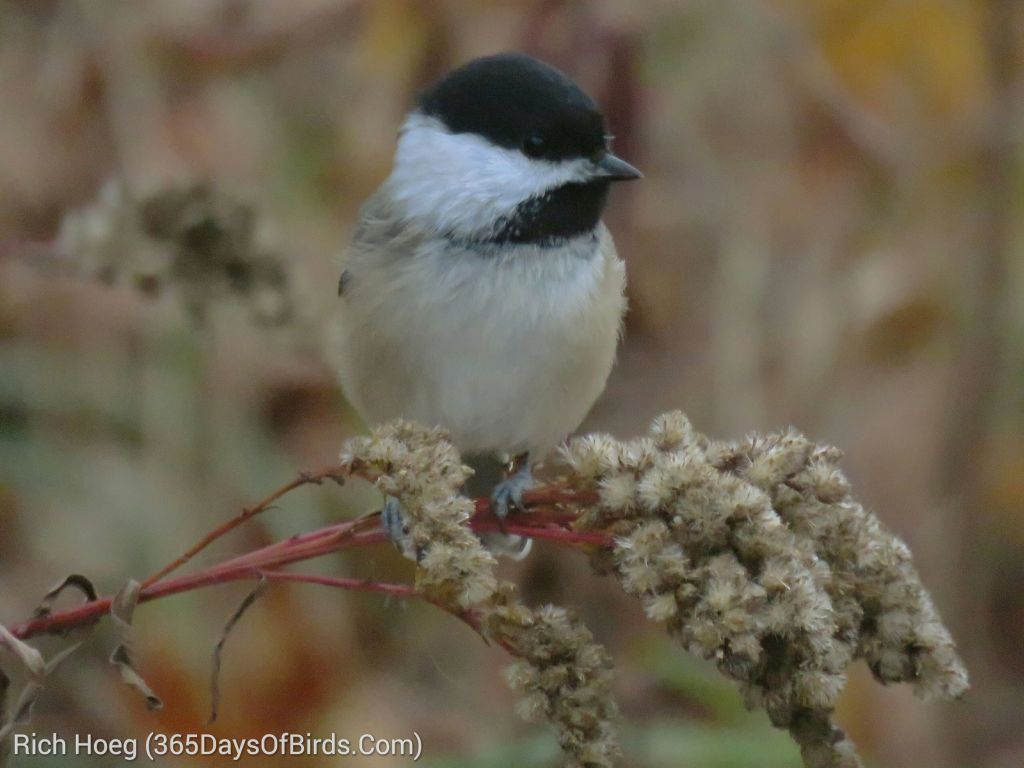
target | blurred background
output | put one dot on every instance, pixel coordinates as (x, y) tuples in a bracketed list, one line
[(830, 234)]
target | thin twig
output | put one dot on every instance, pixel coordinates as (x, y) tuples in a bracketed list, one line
[(304, 478), (404, 591), (342, 582), (324, 541), (546, 496), (545, 520)]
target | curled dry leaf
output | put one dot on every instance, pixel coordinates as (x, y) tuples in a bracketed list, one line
[(121, 611), (37, 668), (28, 656), (71, 581), (244, 606)]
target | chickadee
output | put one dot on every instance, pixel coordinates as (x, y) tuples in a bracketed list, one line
[(482, 293)]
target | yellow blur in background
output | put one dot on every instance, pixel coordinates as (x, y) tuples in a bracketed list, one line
[(830, 234)]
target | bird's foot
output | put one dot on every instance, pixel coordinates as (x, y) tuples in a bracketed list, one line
[(508, 494), (394, 525)]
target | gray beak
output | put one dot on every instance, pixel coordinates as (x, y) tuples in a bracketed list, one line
[(613, 168)]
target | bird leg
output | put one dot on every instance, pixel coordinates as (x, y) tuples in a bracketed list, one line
[(508, 494)]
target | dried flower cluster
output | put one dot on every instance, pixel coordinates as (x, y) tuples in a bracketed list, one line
[(422, 470), (753, 552), (192, 239), (565, 674), (757, 557), (876, 594)]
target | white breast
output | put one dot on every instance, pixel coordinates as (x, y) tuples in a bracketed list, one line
[(507, 352)]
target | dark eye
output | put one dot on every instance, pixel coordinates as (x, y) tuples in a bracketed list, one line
[(534, 146)]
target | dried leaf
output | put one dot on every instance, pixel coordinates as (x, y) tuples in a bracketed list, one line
[(246, 603), (22, 710), (38, 668), (121, 611), (29, 657), (72, 581)]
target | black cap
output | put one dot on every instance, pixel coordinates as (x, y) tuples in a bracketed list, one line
[(518, 102)]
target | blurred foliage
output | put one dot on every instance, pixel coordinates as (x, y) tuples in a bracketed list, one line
[(830, 233)]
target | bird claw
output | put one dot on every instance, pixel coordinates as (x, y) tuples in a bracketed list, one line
[(394, 526), (508, 494), (506, 497)]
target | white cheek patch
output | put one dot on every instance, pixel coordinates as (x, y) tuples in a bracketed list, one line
[(461, 183)]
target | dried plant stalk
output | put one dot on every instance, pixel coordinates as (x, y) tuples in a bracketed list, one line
[(757, 557), (753, 553)]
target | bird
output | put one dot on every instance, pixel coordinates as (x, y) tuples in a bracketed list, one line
[(482, 293)]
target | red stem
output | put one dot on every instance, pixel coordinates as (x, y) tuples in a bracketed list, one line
[(304, 478), (472, 618), (341, 582), (543, 521)]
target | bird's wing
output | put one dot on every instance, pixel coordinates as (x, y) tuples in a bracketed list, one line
[(381, 236)]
